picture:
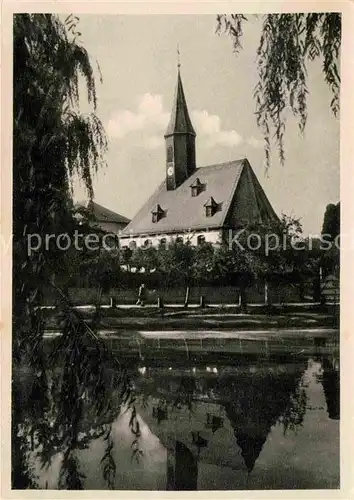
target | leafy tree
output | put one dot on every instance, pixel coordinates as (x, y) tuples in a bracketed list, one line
[(331, 221), (96, 256), (203, 262), (330, 254), (234, 265), (144, 258), (273, 253), (176, 263), (52, 142), (288, 42), (125, 256)]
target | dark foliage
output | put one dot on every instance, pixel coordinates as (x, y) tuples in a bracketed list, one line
[(288, 42), (52, 142)]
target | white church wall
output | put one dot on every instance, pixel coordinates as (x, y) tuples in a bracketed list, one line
[(212, 236)]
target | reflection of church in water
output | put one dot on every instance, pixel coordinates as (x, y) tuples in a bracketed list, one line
[(204, 420), (213, 425), (207, 420)]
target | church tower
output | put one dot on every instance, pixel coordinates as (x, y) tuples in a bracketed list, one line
[(180, 141)]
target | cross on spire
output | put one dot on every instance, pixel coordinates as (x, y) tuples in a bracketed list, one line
[(178, 57)]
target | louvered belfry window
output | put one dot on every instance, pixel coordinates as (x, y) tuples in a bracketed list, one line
[(169, 154)]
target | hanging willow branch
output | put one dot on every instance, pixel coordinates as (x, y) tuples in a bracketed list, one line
[(107, 461), (287, 43), (70, 395)]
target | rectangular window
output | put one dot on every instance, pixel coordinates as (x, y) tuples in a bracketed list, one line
[(169, 154)]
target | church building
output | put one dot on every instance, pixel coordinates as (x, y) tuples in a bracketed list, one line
[(196, 204)]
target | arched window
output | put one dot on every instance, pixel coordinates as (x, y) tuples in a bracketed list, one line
[(179, 240), (132, 245), (163, 243), (147, 243), (200, 240)]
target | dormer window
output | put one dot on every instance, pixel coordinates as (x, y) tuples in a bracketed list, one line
[(197, 187), (157, 213), (210, 207)]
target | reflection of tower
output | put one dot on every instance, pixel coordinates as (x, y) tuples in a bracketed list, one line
[(331, 387), (182, 469), (252, 401)]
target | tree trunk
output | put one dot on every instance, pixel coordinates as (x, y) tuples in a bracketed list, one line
[(302, 291), (186, 298), (243, 299), (317, 290), (267, 296)]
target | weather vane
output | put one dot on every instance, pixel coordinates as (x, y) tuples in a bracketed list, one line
[(178, 59)]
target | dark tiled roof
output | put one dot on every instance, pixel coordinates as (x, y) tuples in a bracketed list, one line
[(103, 214), (182, 211), (180, 122)]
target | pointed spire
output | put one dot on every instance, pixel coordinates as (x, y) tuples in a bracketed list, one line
[(180, 122)]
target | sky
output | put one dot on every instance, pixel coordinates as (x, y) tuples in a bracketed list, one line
[(137, 56)]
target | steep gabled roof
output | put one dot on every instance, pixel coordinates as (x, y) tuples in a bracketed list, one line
[(232, 185), (180, 122)]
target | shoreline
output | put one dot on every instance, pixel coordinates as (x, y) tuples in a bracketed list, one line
[(201, 322)]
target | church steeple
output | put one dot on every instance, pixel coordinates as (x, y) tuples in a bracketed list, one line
[(180, 141), (180, 122)]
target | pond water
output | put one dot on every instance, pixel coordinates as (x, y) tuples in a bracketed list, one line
[(233, 422)]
